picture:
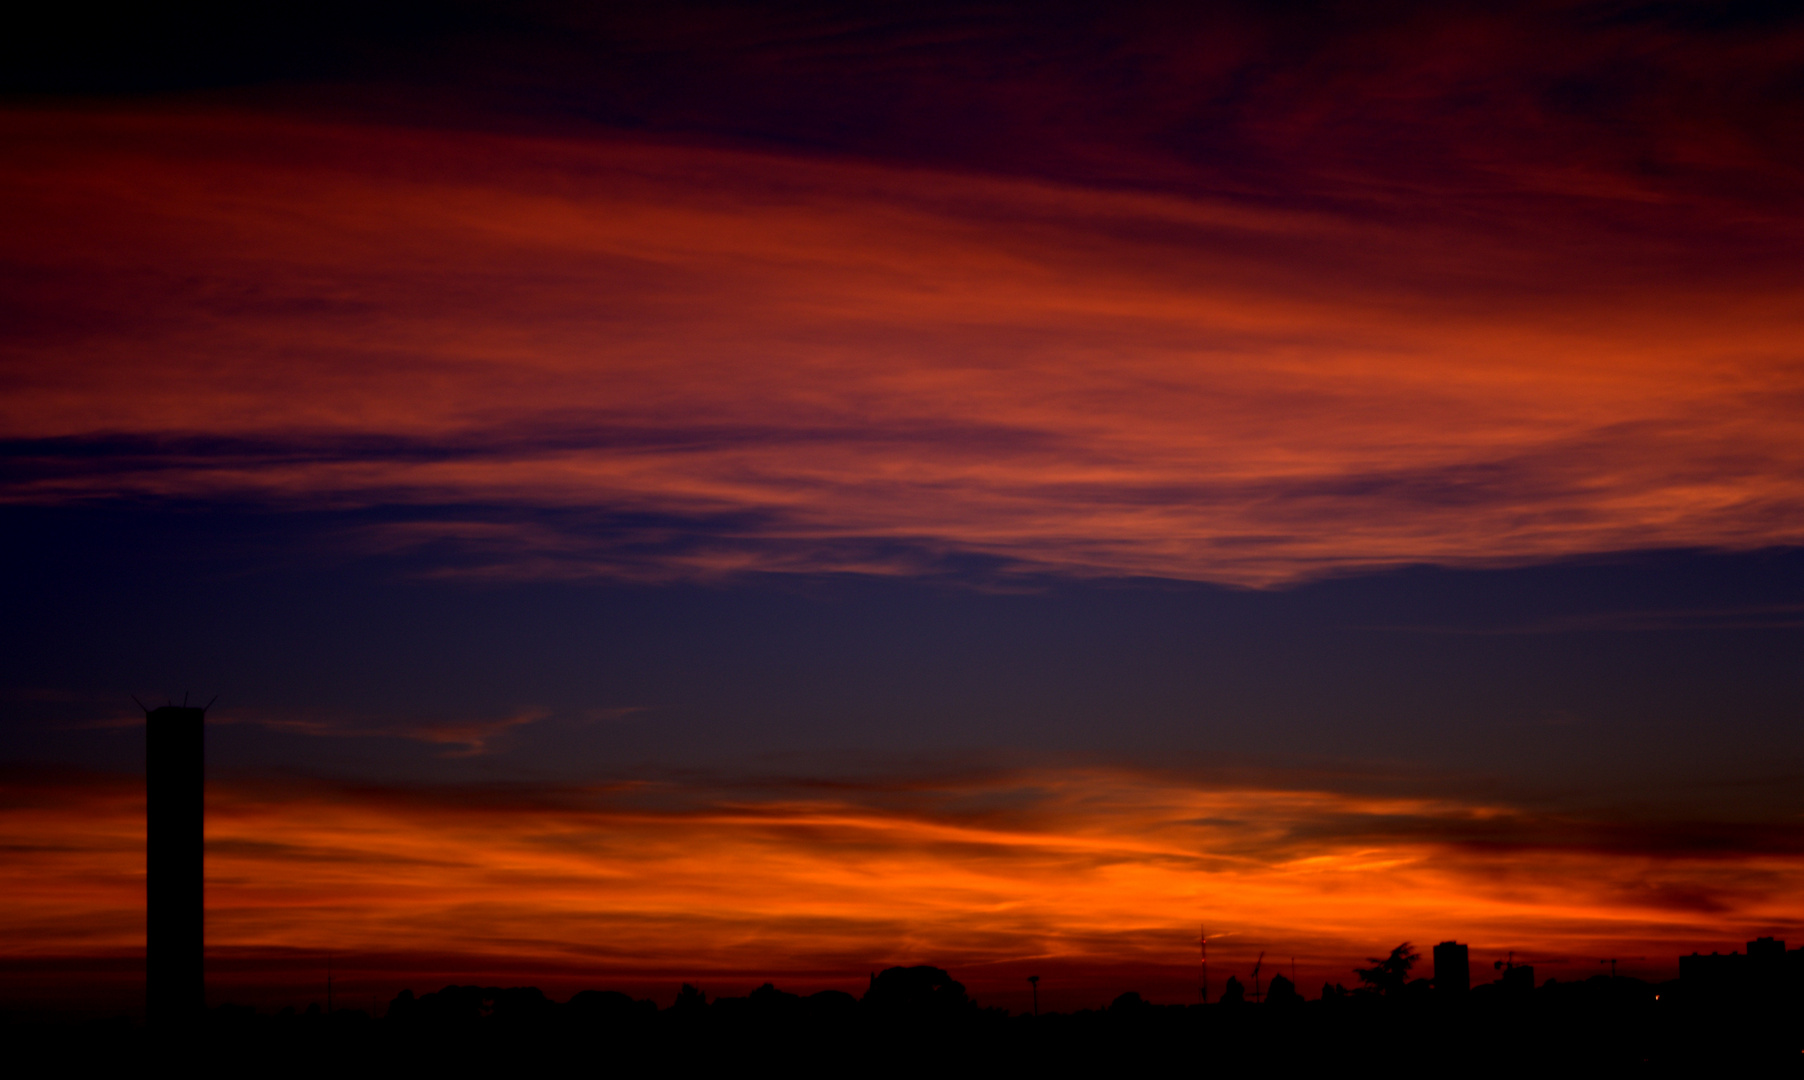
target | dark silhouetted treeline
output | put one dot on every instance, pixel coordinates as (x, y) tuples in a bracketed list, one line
[(920, 1020)]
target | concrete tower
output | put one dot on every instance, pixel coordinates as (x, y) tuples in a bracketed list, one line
[(175, 781)]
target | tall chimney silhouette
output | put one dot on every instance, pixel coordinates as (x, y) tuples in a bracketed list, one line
[(175, 782)]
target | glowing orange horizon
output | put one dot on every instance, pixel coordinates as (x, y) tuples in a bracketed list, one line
[(816, 365), (1088, 872)]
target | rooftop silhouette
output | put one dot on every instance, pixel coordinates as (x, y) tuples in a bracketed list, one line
[(1740, 1009)]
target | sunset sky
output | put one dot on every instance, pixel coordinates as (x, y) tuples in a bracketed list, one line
[(740, 492)]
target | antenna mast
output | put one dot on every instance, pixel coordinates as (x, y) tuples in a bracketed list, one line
[(1202, 934)]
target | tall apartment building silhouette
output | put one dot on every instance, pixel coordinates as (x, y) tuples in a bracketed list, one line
[(175, 911), (1452, 968)]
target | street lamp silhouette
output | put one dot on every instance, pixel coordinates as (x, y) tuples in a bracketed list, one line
[(1035, 980)]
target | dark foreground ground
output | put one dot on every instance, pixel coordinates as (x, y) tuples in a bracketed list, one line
[(918, 1021)]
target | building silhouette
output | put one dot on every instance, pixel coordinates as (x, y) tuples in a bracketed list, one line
[(175, 911), (1452, 968), (1767, 970), (1713, 976)]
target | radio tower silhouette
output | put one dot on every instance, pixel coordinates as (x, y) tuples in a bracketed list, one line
[(1202, 935)]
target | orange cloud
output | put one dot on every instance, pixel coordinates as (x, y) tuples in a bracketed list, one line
[(1100, 877), (571, 357)]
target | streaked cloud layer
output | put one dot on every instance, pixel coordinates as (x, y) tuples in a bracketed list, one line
[(462, 396), (1099, 875), (585, 356)]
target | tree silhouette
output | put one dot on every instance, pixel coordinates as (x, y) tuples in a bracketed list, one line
[(1390, 975)]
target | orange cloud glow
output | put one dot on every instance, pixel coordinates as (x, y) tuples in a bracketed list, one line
[(1098, 879), (584, 356)]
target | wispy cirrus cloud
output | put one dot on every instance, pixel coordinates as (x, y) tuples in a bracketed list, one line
[(573, 357), (1102, 872), (461, 737), (1744, 617)]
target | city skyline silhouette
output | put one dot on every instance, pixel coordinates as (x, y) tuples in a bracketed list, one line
[(760, 496)]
